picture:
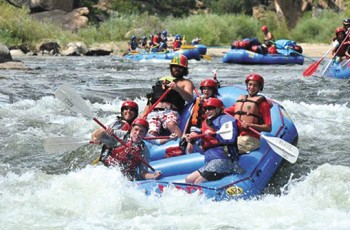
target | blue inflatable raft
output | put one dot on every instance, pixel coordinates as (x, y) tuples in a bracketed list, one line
[(338, 70), (259, 166), (190, 53), (243, 56)]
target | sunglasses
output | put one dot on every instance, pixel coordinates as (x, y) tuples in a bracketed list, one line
[(129, 108), (209, 108)]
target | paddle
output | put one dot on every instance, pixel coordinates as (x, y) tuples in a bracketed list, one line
[(314, 66), (65, 144), (206, 57), (74, 102), (226, 131), (187, 47), (281, 147)]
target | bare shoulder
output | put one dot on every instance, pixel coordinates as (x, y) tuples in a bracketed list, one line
[(185, 82)]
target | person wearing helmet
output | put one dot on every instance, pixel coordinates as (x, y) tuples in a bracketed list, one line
[(177, 42), (143, 43), (166, 114), (132, 156), (339, 47), (129, 111), (209, 89), (251, 111), (269, 40), (163, 44), (157, 39), (195, 41), (346, 25), (220, 154), (132, 44)]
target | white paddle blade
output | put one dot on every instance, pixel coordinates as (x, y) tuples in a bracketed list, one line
[(283, 148), (72, 100), (62, 144), (226, 130)]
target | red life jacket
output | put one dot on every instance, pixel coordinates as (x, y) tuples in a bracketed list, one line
[(176, 45), (208, 140), (127, 156)]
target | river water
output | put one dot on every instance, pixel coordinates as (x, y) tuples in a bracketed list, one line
[(40, 190)]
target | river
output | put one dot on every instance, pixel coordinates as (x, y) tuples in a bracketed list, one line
[(40, 190)]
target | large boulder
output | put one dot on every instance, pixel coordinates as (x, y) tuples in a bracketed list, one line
[(5, 55), (45, 5), (71, 21)]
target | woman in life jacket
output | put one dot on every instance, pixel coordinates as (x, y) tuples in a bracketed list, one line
[(251, 111), (340, 51), (209, 88), (129, 112), (220, 155), (165, 117), (131, 155)]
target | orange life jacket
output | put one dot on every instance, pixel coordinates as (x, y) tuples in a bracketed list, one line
[(248, 109), (198, 115)]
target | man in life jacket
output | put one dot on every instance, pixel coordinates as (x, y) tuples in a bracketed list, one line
[(346, 25), (163, 45), (251, 111), (269, 40), (209, 88), (166, 114), (157, 39), (220, 155), (340, 50), (132, 45), (133, 155), (129, 112), (143, 43)]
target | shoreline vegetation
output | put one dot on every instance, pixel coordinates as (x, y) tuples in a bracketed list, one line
[(311, 32)]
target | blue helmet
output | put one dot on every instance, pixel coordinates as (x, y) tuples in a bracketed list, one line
[(144, 38), (178, 36), (133, 37), (164, 33)]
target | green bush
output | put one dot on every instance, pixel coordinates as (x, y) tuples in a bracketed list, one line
[(318, 29), (17, 27)]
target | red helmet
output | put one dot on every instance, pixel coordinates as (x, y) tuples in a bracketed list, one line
[(255, 77), (264, 28), (209, 83), (340, 29), (131, 104), (215, 102), (141, 121), (180, 61)]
